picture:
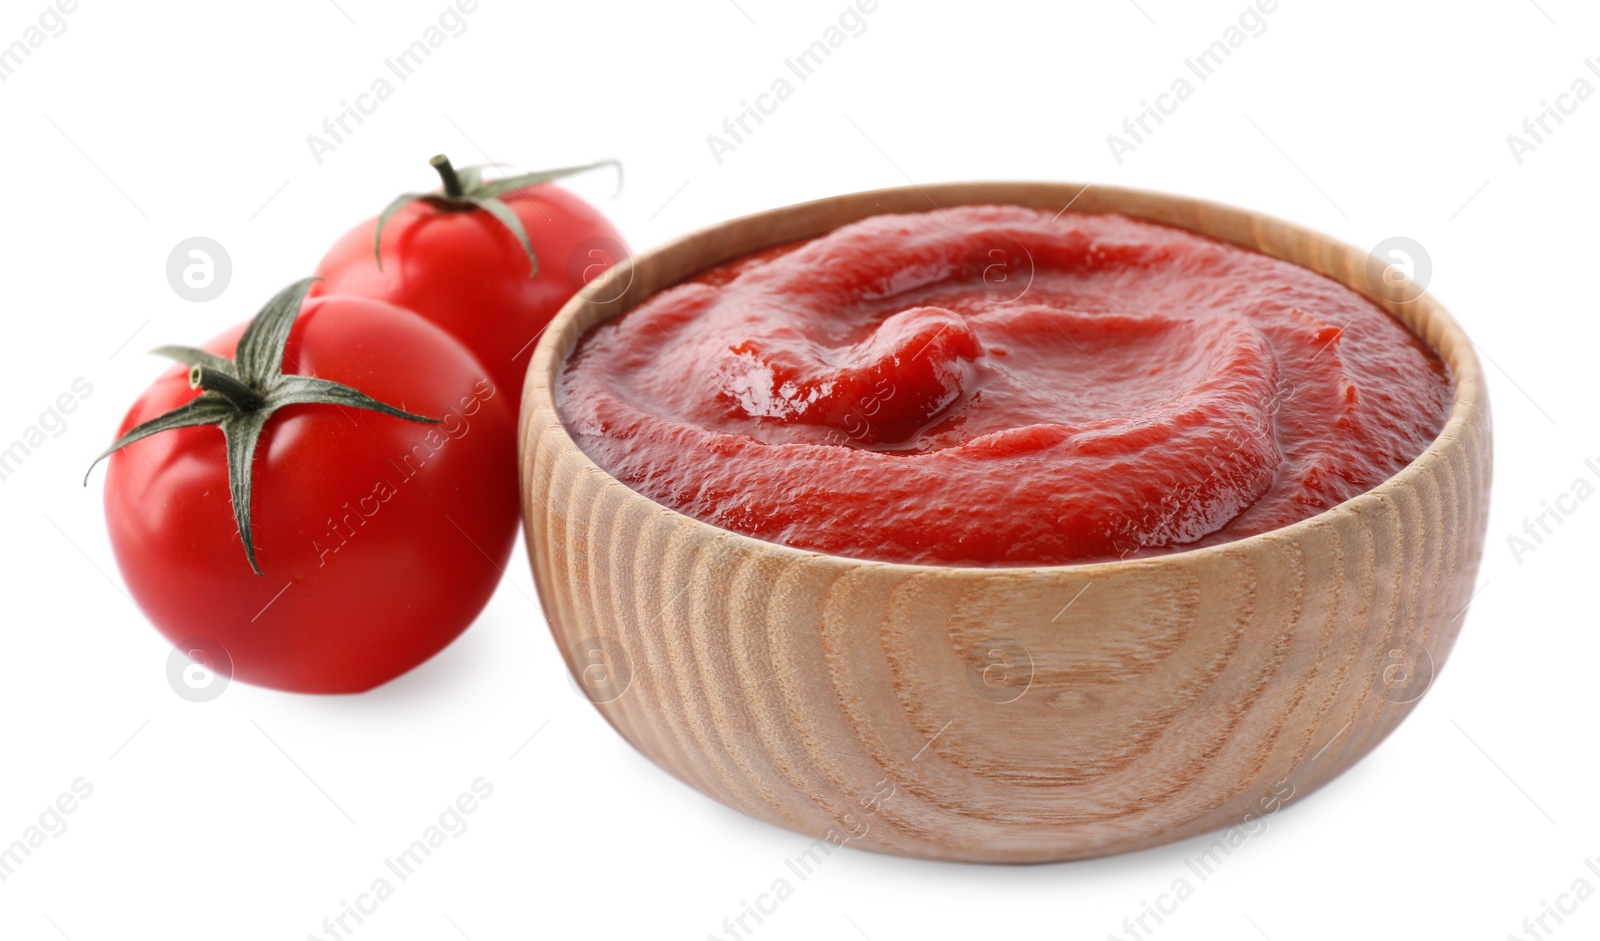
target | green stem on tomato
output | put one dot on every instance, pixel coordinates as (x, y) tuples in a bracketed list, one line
[(474, 193), (447, 174), (229, 387), (238, 395)]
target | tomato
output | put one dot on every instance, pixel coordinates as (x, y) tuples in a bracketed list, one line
[(457, 259), (379, 538)]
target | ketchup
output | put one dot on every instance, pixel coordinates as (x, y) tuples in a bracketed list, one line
[(998, 386)]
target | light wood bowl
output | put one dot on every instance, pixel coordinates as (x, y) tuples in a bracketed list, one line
[(1018, 714)]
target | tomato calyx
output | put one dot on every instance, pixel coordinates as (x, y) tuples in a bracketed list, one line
[(238, 395), (465, 189)]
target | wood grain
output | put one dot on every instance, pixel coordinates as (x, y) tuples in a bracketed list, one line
[(1011, 715)]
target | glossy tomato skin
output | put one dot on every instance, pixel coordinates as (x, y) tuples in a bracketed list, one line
[(381, 539), (467, 273)]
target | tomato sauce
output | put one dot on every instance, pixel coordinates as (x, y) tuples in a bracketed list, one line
[(998, 386)]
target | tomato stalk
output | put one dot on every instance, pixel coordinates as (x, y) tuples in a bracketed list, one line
[(447, 175), (211, 380)]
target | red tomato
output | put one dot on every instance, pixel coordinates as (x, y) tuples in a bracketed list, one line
[(380, 539), (466, 271)]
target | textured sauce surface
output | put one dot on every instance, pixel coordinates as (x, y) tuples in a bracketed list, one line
[(996, 386)]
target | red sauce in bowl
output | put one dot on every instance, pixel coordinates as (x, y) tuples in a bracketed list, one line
[(997, 386)]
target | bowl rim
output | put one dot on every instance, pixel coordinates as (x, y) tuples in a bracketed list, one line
[(1451, 344)]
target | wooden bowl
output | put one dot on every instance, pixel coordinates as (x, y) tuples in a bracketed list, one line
[(1017, 714)]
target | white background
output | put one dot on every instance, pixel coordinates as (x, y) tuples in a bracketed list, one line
[(258, 814)]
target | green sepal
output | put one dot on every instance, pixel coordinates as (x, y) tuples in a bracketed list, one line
[(259, 356), (400, 202), (240, 394), (464, 189), (205, 410), (508, 218), (309, 390), (497, 188), (240, 432)]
